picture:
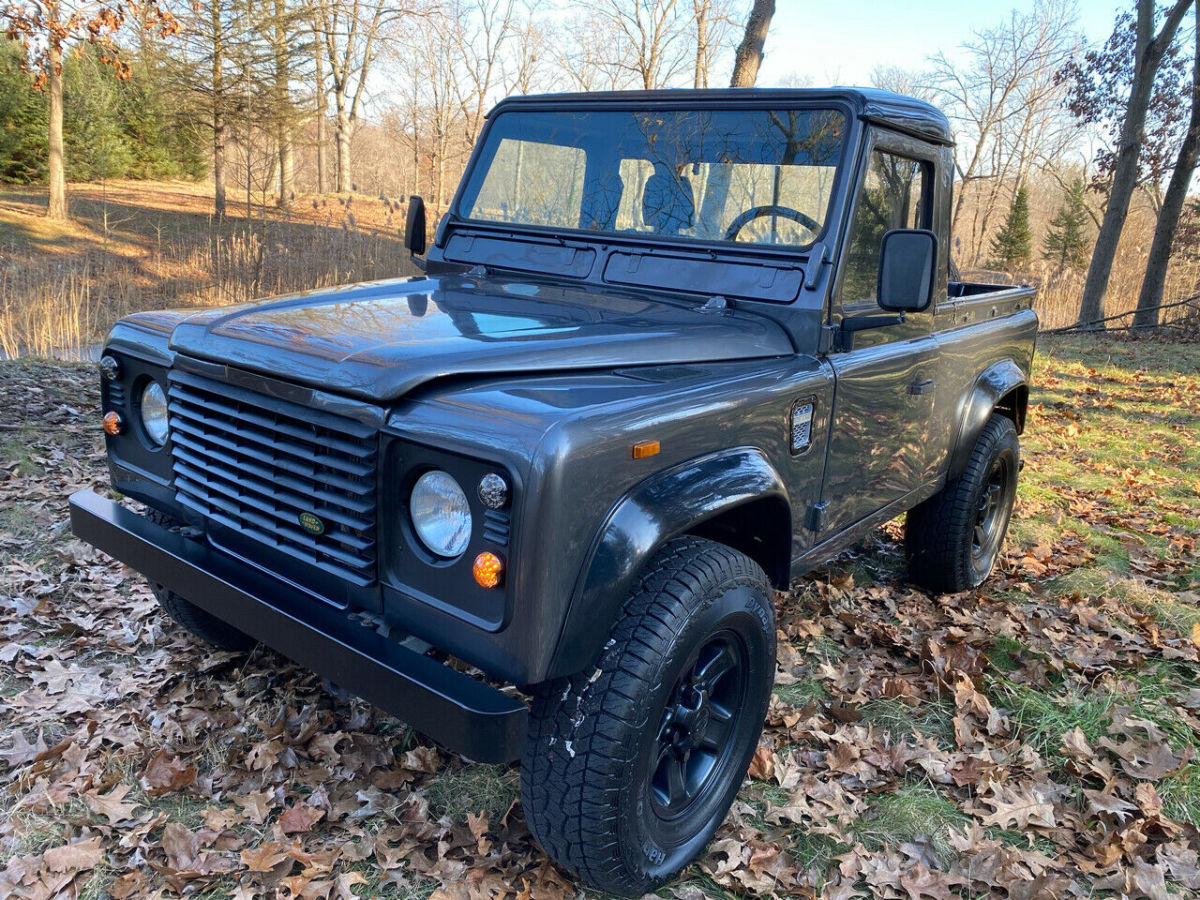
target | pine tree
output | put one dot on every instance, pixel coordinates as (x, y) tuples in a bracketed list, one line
[(1013, 244), (1066, 244)]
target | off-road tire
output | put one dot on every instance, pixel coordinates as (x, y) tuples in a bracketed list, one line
[(202, 624), (600, 740), (940, 534)]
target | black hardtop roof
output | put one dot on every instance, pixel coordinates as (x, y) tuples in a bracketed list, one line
[(903, 113)]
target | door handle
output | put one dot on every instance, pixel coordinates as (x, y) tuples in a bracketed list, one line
[(922, 386)]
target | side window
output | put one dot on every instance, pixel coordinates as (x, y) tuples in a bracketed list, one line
[(894, 194)]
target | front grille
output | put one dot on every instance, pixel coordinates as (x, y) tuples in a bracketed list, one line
[(260, 465)]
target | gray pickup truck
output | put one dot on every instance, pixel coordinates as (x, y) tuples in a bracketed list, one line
[(670, 350)]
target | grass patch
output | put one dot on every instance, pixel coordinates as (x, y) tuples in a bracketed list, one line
[(1006, 654), (473, 789), (1040, 718), (801, 692), (917, 812), (1181, 795), (182, 808), (378, 886), (933, 719), (16, 450)]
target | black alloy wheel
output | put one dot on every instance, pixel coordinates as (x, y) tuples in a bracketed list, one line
[(693, 740)]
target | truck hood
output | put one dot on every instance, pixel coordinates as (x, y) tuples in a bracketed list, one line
[(378, 341)]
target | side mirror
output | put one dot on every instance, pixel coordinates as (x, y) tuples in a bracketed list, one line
[(907, 261), (414, 228)]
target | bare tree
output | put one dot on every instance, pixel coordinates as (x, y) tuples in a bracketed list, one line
[(208, 66), (480, 30), (1006, 102), (1148, 54), (350, 32), (1151, 296), (750, 52), (321, 99), (646, 38), (712, 27)]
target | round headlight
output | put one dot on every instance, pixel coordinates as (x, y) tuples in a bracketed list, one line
[(154, 413), (440, 513)]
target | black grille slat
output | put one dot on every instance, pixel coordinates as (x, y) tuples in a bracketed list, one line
[(267, 522), (329, 478), (200, 425), (257, 464), (351, 502), (262, 422), (215, 481)]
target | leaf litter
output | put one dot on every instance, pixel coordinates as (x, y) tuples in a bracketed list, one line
[(1034, 739)]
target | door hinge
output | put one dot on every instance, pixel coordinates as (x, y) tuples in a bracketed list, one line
[(832, 339), (814, 515)]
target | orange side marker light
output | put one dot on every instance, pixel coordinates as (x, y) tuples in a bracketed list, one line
[(113, 424), (488, 570), (643, 449)]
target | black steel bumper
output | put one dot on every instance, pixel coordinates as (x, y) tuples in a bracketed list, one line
[(454, 709)]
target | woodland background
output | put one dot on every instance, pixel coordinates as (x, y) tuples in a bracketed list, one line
[(220, 150)]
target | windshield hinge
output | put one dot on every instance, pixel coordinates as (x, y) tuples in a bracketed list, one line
[(716, 304), (818, 258)]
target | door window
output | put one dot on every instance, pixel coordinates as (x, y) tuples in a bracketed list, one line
[(894, 194)]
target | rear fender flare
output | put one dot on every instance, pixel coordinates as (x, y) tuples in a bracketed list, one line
[(1003, 386), (673, 502)]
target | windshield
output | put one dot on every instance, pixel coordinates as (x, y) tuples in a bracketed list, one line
[(759, 176)]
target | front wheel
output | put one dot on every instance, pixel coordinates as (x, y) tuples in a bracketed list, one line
[(953, 538), (630, 768)]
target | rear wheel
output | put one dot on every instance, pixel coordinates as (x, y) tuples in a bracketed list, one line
[(953, 538), (631, 767)]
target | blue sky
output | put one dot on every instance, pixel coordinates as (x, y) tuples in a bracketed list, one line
[(840, 42)]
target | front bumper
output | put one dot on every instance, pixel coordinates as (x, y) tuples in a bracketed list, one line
[(463, 714)]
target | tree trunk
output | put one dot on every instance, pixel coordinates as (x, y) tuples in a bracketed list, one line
[(1150, 50), (342, 138), (750, 52), (321, 113), (283, 112), (1151, 296), (218, 112), (218, 164), (57, 207), (700, 79)]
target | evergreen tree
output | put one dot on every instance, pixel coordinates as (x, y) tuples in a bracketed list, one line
[(1066, 244), (1013, 245), (23, 118)]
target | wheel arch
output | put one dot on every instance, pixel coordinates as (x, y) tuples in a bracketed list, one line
[(1002, 387), (735, 497)]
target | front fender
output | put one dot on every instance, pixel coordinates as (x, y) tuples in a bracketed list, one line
[(992, 390), (667, 505)]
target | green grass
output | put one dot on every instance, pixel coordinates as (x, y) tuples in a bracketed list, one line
[(933, 719), (1040, 717), (916, 812), (801, 692), (1180, 794), (1007, 654), (16, 447), (473, 789)]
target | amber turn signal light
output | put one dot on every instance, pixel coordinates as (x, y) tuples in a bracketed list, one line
[(113, 424), (488, 570), (645, 448)]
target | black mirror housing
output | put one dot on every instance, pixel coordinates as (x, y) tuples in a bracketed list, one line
[(907, 262), (414, 227)]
